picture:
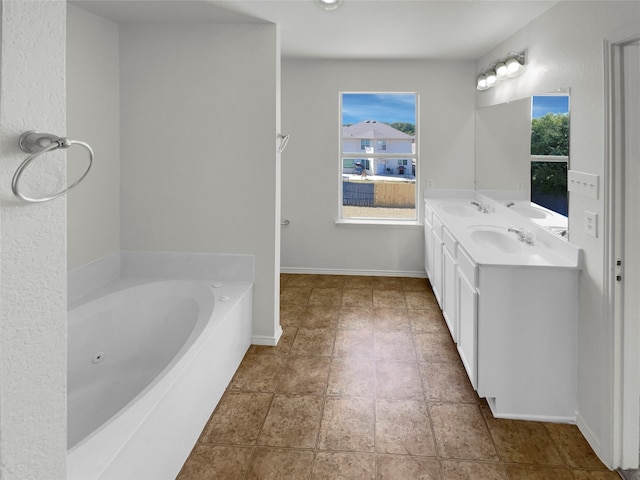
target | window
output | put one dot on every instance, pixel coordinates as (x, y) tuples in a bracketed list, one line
[(383, 185), (355, 163), (550, 151)]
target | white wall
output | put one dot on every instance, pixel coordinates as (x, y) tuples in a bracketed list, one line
[(197, 102), (93, 116), (310, 164), (503, 147), (565, 49), (33, 295)]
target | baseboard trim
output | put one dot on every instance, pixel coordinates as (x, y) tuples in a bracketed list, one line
[(364, 273), (533, 418), (591, 438), (270, 341)]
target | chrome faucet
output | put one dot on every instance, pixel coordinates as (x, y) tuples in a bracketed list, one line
[(526, 237), (481, 208)]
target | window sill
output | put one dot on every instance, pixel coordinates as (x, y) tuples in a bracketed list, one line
[(549, 158), (378, 222)]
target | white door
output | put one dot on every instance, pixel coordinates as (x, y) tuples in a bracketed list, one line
[(624, 237), (631, 255)]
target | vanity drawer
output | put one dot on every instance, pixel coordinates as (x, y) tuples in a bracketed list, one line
[(467, 267), (449, 241)]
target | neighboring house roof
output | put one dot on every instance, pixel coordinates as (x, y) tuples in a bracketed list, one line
[(373, 129)]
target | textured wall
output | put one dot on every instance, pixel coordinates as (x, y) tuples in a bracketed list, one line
[(33, 266)]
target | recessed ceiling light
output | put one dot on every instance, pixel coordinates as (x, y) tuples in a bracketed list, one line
[(329, 4)]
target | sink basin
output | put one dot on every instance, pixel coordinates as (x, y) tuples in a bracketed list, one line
[(459, 209), (495, 238), (529, 211)]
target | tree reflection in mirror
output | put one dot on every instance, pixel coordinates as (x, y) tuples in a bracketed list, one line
[(550, 151)]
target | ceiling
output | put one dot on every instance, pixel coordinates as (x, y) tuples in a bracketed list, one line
[(358, 29)]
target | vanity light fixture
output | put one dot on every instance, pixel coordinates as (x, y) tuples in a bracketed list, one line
[(329, 4), (509, 67), (501, 70), (482, 83), (492, 78), (514, 67)]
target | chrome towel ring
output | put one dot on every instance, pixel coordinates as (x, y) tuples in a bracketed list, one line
[(37, 143)]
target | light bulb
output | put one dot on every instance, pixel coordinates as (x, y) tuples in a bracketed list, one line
[(482, 83), (514, 67), (329, 4), (491, 78), (501, 70)]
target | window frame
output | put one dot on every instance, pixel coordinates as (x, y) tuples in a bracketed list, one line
[(411, 158)]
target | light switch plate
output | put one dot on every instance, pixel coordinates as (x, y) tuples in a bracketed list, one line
[(591, 223), (583, 183)]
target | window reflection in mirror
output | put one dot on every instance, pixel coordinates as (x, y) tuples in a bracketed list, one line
[(550, 151)]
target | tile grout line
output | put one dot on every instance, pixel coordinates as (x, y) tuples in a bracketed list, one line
[(287, 354), (428, 409)]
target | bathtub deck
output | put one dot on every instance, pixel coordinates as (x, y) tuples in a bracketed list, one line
[(153, 435)]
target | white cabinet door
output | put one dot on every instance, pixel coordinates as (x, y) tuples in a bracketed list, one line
[(449, 292), (468, 323), (436, 280)]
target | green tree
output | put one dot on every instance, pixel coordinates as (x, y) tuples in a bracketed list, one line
[(406, 127), (549, 177), (550, 135)]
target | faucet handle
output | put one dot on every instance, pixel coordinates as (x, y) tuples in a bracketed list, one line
[(481, 207), (528, 237), (525, 236)]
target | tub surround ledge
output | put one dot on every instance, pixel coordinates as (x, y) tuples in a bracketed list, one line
[(92, 279)]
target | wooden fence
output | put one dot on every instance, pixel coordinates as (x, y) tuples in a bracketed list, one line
[(395, 194), (379, 194), (358, 194)]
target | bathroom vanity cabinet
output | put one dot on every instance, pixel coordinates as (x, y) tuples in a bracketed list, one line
[(511, 308)]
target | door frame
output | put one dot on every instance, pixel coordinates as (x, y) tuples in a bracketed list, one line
[(625, 333)]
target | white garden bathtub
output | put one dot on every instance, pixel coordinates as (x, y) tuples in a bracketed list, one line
[(147, 366)]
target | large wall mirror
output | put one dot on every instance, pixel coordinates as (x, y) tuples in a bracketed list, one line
[(522, 156)]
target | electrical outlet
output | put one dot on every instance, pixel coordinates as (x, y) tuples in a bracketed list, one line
[(519, 185), (591, 223), (429, 183)]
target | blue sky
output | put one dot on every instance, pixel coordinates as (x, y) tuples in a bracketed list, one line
[(543, 104), (383, 107)]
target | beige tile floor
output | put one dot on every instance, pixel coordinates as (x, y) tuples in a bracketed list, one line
[(366, 384)]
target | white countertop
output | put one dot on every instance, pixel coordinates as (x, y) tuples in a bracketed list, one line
[(495, 245)]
